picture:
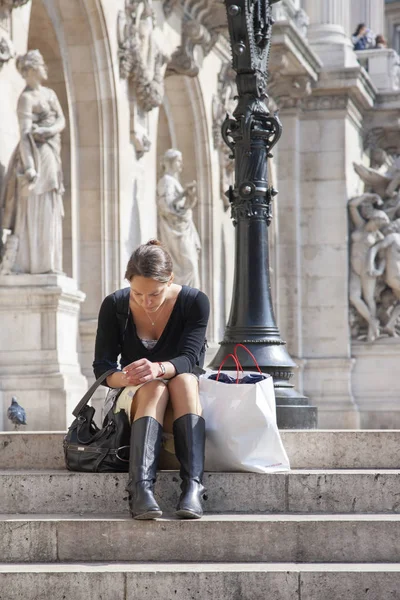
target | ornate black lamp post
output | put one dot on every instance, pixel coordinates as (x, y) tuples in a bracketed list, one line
[(251, 134)]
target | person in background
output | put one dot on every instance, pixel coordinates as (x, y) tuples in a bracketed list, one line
[(380, 41), (363, 38)]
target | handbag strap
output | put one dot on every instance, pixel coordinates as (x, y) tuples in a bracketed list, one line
[(82, 403), (122, 312)]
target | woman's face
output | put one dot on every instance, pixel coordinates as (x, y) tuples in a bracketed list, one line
[(177, 164), (35, 76), (148, 293)]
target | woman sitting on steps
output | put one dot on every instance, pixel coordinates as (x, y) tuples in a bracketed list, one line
[(163, 342)]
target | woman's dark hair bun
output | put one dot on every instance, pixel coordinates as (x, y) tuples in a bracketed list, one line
[(150, 260)]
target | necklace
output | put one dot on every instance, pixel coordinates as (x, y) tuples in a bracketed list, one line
[(158, 309)]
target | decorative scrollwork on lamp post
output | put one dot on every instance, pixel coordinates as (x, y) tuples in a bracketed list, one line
[(251, 133)]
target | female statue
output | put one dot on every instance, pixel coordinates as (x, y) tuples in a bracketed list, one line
[(33, 207), (177, 229)]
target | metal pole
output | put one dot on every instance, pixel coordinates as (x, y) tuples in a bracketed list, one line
[(251, 134)]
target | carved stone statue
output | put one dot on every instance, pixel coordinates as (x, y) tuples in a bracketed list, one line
[(363, 238), (384, 180), (143, 62), (388, 251), (32, 197), (382, 197), (394, 69), (302, 21), (176, 227)]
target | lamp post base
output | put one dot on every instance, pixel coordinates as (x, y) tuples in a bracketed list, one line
[(293, 410)]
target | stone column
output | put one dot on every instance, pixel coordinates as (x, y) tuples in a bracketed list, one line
[(329, 144), (289, 282), (370, 12), (288, 91), (313, 253), (329, 32)]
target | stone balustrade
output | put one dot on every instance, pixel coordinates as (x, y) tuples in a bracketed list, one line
[(383, 67)]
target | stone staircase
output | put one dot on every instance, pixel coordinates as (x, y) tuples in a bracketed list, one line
[(329, 529)]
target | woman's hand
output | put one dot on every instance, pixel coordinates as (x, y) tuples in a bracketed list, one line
[(141, 371), (42, 132), (31, 175)]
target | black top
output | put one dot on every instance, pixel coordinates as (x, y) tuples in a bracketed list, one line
[(181, 343)]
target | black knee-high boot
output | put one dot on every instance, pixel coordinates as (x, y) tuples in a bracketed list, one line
[(189, 437), (145, 448)]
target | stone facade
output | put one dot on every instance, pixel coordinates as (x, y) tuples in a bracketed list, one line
[(135, 78)]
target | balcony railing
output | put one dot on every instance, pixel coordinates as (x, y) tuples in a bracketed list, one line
[(383, 67)]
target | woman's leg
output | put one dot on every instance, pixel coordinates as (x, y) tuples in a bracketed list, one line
[(184, 395), (150, 401), (147, 412), (189, 437)]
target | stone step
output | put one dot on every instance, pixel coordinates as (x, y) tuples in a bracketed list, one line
[(222, 538), (313, 449), (299, 491), (211, 581)]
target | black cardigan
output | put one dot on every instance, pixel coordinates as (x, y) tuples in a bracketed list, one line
[(181, 343)]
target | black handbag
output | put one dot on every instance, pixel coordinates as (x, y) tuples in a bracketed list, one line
[(91, 449)]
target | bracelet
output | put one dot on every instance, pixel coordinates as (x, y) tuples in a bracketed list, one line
[(163, 369)]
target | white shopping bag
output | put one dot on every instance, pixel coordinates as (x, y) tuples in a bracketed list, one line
[(241, 429)]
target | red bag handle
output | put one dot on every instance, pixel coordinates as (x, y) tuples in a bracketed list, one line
[(237, 363), (248, 352)]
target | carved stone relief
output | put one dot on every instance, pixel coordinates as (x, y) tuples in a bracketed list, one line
[(202, 21), (6, 6), (284, 11), (385, 137), (183, 60), (10, 4), (143, 63), (287, 89), (168, 7), (6, 50), (287, 11), (6, 45), (326, 102), (375, 250), (224, 103), (210, 13)]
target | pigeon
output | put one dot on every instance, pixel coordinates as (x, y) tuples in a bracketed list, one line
[(16, 413)]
